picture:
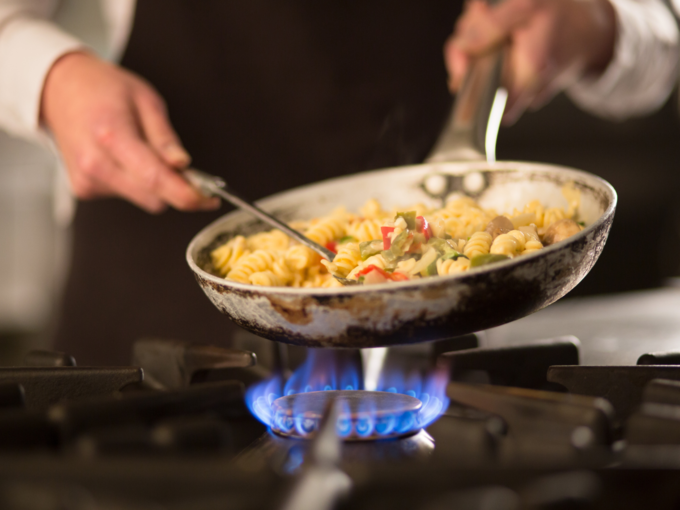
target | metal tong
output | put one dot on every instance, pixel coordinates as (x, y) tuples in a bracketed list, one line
[(211, 185)]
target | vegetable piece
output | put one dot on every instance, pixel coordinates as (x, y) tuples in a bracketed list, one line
[(409, 217), (370, 248), (423, 227), (376, 276), (398, 276), (453, 254), (444, 249), (499, 225), (373, 274), (428, 258), (559, 231), (415, 247), (387, 242), (487, 258), (348, 239), (372, 267), (430, 270), (333, 246), (523, 220), (398, 247)]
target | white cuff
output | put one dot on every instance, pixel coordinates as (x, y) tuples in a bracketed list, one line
[(28, 49), (643, 69)]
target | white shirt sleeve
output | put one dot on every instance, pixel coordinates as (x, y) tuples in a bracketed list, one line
[(644, 67), (29, 45)]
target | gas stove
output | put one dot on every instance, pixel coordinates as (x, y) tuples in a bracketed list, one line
[(468, 422)]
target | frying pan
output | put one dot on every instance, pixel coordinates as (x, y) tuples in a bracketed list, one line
[(429, 308)]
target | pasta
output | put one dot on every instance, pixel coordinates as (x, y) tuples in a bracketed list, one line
[(377, 246), (478, 244)]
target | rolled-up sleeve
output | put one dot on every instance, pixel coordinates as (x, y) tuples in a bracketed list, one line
[(644, 67), (29, 45)]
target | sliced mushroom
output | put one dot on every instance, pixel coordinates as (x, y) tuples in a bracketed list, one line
[(499, 225), (559, 231)]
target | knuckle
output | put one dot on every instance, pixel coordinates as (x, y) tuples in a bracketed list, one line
[(153, 100), (88, 164), (104, 133)]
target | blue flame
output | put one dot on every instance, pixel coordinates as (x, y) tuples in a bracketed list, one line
[(325, 370)]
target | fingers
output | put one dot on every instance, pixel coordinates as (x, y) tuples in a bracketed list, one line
[(147, 172), (532, 69), (158, 131), (98, 175), (482, 28), (457, 63)]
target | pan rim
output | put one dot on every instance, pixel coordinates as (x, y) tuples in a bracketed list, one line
[(466, 166)]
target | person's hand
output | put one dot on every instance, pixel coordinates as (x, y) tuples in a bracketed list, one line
[(550, 44), (114, 135)]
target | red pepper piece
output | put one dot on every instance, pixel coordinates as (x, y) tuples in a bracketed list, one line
[(423, 227), (398, 276), (333, 246), (373, 267), (387, 242)]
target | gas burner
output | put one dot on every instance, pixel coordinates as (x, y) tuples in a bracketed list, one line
[(364, 416), (399, 403)]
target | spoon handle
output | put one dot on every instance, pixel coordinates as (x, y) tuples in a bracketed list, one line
[(211, 185)]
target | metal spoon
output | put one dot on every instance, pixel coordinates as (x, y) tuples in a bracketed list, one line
[(211, 185)]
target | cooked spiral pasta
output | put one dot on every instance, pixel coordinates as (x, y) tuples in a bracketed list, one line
[(533, 243), (267, 278), (372, 210), (316, 277), (406, 266), (552, 215), (326, 230), (478, 244), (272, 240), (281, 269), (450, 266), (300, 257), (519, 237), (259, 260), (224, 257), (506, 244), (347, 259), (365, 230), (532, 246)]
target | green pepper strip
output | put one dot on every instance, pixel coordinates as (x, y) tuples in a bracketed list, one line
[(487, 258), (409, 218)]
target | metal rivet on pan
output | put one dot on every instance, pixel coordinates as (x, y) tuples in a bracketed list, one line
[(582, 437), (473, 182), (436, 184)]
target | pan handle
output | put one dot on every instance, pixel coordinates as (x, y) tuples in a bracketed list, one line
[(472, 128)]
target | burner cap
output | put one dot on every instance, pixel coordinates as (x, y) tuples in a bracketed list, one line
[(364, 415)]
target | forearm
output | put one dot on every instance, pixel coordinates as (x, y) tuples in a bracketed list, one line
[(644, 66), (29, 45)]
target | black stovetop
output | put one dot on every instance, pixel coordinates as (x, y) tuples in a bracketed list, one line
[(527, 427)]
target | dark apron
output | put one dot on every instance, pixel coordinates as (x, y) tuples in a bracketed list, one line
[(271, 95)]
